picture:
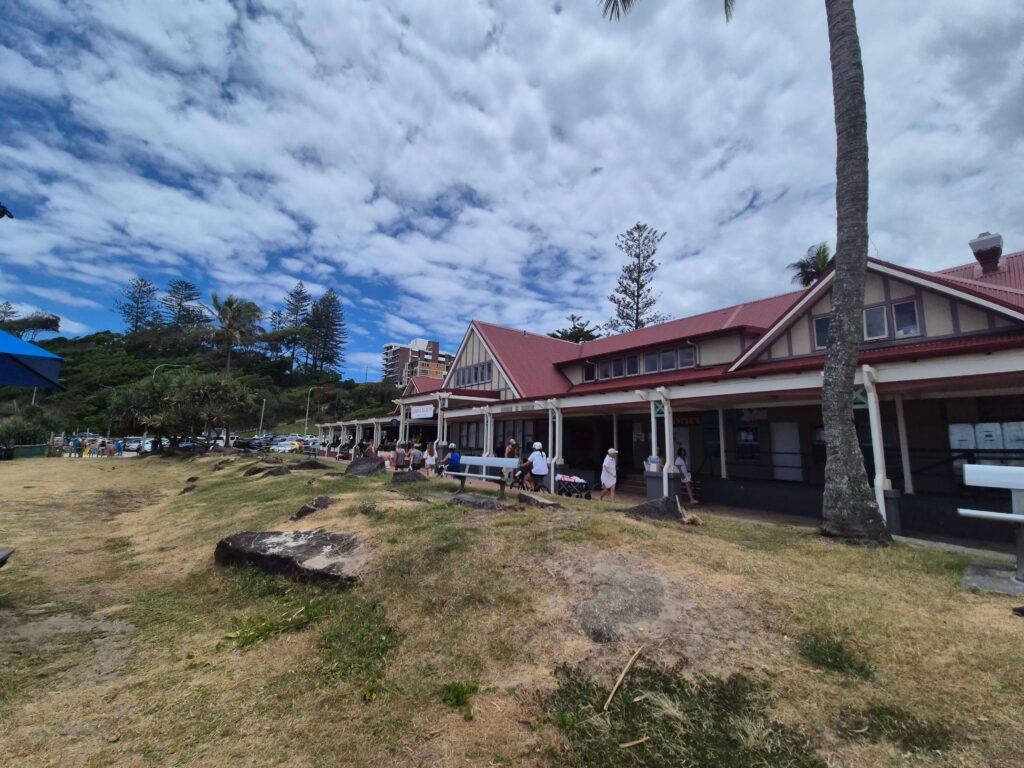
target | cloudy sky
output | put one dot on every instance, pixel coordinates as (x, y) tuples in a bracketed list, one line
[(441, 161)]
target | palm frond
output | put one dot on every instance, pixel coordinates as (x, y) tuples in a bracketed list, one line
[(614, 9), (730, 6)]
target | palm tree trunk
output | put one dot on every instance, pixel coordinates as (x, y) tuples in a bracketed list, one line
[(227, 369), (849, 508)]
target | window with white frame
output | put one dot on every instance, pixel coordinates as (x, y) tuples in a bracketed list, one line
[(875, 325), (604, 370), (668, 360), (821, 331), (904, 316), (589, 371), (687, 359), (632, 365), (651, 362), (618, 368)]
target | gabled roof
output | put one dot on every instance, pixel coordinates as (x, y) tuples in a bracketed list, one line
[(1009, 274), (422, 385), (528, 359), (1006, 298), (1005, 287), (754, 316)]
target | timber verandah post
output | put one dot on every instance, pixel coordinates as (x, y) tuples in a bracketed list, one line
[(881, 482)]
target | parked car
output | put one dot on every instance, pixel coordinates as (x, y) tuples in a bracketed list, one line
[(284, 446), (132, 444)]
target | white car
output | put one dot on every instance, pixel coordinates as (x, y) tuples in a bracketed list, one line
[(284, 446)]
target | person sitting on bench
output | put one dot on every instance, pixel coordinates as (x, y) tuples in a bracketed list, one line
[(538, 462)]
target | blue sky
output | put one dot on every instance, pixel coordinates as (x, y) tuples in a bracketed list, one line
[(436, 162)]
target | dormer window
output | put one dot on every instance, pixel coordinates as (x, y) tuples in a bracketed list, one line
[(687, 359), (589, 371)]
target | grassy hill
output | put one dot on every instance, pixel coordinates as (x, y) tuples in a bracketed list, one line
[(476, 638)]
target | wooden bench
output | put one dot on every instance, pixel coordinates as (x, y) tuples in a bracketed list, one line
[(482, 464), (5, 555), (1012, 478)]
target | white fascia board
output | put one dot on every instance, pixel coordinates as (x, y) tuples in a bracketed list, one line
[(462, 345), (494, 358), (800, 306), (967, 298), (970, 364)]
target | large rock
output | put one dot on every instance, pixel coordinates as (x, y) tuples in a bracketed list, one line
[(532, 500), (320, 502), (476, 501), (277, 471), (316, 555), (365, 465), (254, 471), (408, 477), (664, 508), (223, 464), (310, 464)]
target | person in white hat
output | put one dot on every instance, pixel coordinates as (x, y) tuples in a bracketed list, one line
[(609, 474), (538, 462)]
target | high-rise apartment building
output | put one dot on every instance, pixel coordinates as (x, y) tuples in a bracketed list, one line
[(417, 358)]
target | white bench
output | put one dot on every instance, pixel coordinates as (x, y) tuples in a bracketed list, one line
[(482, 464), (5, 555), (991, 476)]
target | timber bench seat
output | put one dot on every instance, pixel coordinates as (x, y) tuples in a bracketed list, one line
[(5, 555), (477, 466)]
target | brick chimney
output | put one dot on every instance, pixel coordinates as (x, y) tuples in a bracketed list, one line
[(988, 249)]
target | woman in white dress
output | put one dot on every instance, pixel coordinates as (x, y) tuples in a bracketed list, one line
[(609, 474)]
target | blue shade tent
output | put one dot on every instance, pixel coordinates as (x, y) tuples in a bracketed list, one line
[(26, 365)]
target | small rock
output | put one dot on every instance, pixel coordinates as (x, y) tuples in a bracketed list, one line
[(187, 489), (222, 464), (531, 500), (364, 466), (320, 502), (310, 464), (277, 471), (664, 508), (193, 479), (254, 471), (113, 738), (407, 477), (317, 554), (476, 501)]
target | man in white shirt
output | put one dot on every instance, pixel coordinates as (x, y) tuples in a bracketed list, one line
[(538, 467), (609, 474)]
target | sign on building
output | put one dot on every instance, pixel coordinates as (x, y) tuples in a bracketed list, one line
[(421, 412)]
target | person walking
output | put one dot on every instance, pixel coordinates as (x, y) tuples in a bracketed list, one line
[(399, 456), (511, 452), (430, 459), (685, 481), (415, 457), (609, 474)]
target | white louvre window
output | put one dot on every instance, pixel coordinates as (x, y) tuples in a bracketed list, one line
[(905, 319), (875, 326)]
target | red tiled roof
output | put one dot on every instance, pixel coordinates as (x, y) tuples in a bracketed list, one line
[(527, 358), (1010, 273), (422, 385), (1005, 287), (755, 316)]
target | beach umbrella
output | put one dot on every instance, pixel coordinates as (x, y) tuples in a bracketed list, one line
[(25, 365)]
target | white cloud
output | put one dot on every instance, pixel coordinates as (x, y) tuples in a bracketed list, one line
[(444, 161)]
